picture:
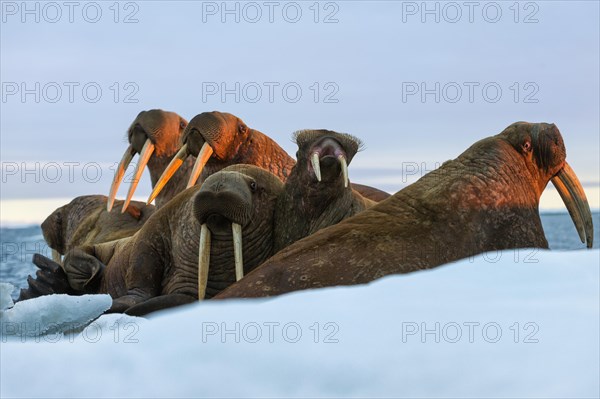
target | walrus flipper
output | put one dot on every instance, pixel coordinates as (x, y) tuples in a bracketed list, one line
[(83, 270), (49, 279), (159, 303)]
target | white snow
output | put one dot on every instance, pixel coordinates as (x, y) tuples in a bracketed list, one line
[(508, 324)]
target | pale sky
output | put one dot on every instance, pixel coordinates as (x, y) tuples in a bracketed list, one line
[(362, 73)]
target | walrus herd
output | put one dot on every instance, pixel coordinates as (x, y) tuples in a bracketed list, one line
[(237, 217)]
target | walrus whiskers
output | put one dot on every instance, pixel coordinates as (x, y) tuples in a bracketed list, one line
[(147, 151)]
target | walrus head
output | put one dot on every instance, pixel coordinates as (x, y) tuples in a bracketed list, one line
[(326, 154), (60, 226), (216, 135), (543, 150), (85, 220), (235, 206), (153, 134), (317, 193)]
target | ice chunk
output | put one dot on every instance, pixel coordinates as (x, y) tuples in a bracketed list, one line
[(52, 314)]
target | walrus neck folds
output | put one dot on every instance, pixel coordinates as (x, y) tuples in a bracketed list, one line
[(306, 206), (256, 247), (484, 184), (494, 193), (317, 195), (79, 224), (258, 149)]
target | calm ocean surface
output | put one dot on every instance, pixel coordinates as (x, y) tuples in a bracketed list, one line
[(19, 244)]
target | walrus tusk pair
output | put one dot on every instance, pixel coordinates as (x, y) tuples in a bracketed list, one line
[(204, 257), (316, 164), (568, 186), (205, 153), (147, 151)]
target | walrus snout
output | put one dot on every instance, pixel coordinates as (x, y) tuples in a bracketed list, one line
[(233, 205), (214, 128), (227, 194), (137, 138), (194, 141), (548, 146), (320, 145), (328, 146)]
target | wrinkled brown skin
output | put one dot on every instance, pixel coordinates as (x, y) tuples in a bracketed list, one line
[(307, 205), (83, 221), (486, 199), (372, 193), (234, 142), (165, 130), (160, 263)]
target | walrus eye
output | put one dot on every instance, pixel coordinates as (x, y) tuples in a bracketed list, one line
[(527, 146), (181, 124), (242, 129), (253, 186)]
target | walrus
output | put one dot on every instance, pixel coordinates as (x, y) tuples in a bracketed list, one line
[(83, 221), (219, 139), (154, 135), (317, 192), (486, 199), (203, 240)]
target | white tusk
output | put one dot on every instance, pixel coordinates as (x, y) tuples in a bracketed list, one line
[(205, 153), (119, 173), (175, 163), (570, 203), (568, 186), (316, 165), (56, 256), (147, 151), (344, 165), (203, 261), (237, 251)]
